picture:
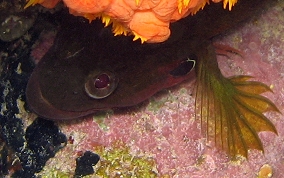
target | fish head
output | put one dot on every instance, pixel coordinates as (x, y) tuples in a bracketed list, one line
[(87, 69)]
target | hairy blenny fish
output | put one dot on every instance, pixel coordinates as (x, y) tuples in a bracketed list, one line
[(88, 69)]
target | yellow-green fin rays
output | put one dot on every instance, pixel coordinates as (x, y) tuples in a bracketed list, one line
[(230, 109)]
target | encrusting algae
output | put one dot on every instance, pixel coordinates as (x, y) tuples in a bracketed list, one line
[(147, 20), (116, 161), (119, 162)]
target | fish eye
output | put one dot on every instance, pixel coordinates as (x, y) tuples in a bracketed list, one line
[(184, 67), (100, 85), (102, 81)]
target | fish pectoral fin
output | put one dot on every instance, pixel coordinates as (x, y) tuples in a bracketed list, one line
[(231, 109), (224, 50)]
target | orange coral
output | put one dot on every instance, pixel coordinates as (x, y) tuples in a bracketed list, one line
[(146, 19)]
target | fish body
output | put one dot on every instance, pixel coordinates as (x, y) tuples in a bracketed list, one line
[(60, 86), (230, 109)]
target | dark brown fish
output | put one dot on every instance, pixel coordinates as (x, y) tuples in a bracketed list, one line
[(88, 69)]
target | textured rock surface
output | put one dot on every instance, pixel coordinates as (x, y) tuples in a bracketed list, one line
[(164, 129)]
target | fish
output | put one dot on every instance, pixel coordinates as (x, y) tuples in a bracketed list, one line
[(90, 71), (87, 70)]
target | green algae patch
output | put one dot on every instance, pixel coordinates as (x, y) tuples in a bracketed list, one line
[(54, 173), (100, 117), (157, 102), (155, 105), (119, 162)]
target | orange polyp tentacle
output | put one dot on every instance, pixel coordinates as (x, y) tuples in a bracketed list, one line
[(32, 3), (44, 3)]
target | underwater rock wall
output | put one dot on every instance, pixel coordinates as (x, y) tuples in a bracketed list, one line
[(159, 137)]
